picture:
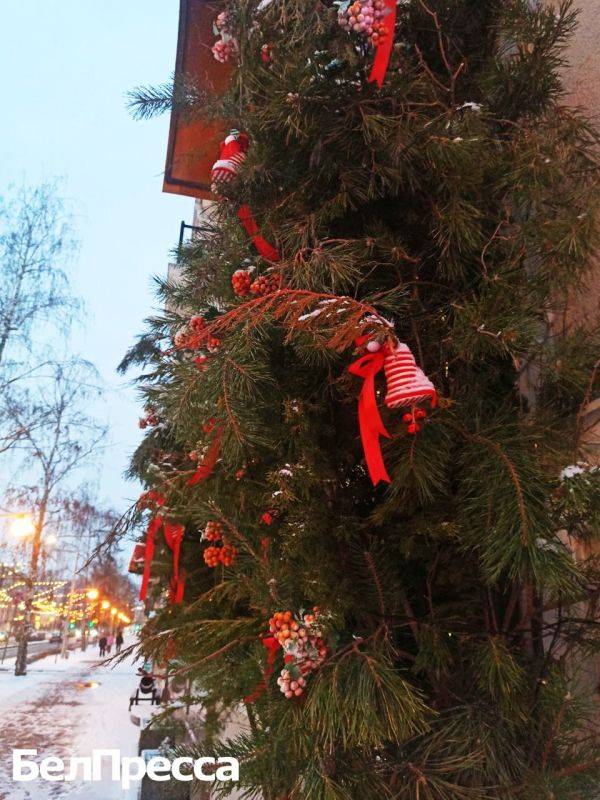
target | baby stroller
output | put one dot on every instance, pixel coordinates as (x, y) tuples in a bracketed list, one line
[(145, 692)]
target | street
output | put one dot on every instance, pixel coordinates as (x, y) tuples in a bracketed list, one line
[(66, 709), (33, 648)]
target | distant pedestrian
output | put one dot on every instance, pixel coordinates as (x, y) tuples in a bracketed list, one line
[(102, 642), (119, 640), (109, 642)]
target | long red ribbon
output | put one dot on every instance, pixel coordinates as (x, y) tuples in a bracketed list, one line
[(173, 537), (266, 250), (272, 645), (370, 422), (384, 50), (208, 463), (153, 528)]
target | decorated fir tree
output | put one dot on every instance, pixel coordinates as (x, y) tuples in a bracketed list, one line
[(364, 407)]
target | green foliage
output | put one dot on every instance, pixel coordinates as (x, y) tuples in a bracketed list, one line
[(460, 204)]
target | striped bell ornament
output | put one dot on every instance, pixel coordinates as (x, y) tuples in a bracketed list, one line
[(407, 384), (232, 154)]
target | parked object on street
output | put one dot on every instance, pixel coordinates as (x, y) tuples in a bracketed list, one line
[(146, 691)]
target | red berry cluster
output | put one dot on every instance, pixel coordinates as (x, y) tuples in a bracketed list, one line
[(227, 555), (212, 344), (241, 282), (410, 420), (213, 555), (268, 517), (266, 284), (191, 336), (197, 323), (302, 641), (213, 531)]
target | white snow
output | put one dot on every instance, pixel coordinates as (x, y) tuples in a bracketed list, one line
[(51, 710)]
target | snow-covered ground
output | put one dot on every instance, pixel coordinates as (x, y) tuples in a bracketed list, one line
[(53, 711)]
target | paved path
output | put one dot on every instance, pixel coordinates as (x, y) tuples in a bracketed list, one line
[(66, 708)]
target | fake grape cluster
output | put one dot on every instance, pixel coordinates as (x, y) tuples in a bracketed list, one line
[(366, 17), (225, 48), (301, 639)]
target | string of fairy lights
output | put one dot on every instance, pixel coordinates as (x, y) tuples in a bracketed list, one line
[(52, 600)]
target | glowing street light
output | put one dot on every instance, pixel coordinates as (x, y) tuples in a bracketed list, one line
[(114, 611), (22, 526), (105, 605), (93, 594)]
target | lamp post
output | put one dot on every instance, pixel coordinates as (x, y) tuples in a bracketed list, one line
[(64, 652)]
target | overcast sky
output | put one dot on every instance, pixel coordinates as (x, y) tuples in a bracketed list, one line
[(65, 67)]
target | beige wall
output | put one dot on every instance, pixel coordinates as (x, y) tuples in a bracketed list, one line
[(582, 80)]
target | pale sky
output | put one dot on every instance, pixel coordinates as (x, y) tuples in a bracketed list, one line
[(65, 67)]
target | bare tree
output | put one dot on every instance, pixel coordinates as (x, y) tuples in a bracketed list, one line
[(36, 245), (65, 440), (36, 242)]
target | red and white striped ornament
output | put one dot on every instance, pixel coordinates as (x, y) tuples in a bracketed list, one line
[(407, 384), (231, 156)]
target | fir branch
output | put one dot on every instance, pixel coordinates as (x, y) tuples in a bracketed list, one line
[(338, 320)]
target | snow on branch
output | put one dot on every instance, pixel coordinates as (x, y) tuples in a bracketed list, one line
[(336, 320)]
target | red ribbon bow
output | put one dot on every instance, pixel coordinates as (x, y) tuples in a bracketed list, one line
[(153, 527), (266, 250), (173, 537), (272, 645), (370, 422), (384, 50)]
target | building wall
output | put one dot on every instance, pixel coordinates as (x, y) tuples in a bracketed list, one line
[(582, 81)]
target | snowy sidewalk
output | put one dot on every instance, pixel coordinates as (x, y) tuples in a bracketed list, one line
[(53, 711)]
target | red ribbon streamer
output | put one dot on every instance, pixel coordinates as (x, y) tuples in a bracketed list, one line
[(173, 537), (272, 645), (266, 250), (209, 461), (384, 50), (370, 422), (153, 528)]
